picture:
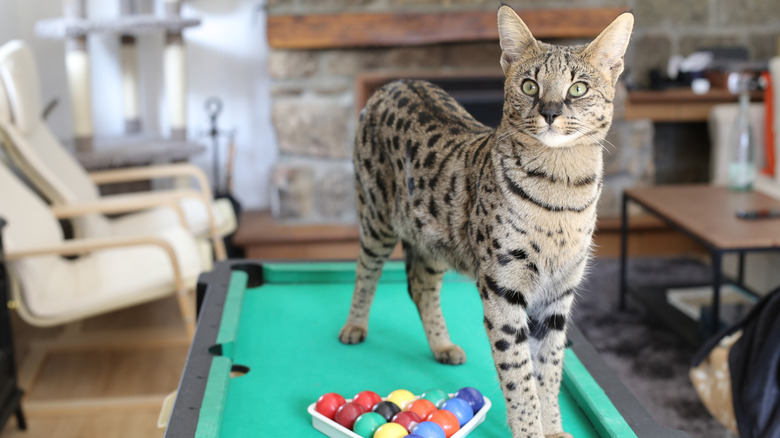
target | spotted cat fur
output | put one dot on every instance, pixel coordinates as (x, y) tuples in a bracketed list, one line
[(514, 207)]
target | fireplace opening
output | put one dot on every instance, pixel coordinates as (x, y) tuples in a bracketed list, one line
[(482, 96)]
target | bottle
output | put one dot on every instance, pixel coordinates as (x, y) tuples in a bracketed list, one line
[(742, 156)]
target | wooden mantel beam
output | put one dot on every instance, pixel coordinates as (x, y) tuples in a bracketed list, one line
[(384, 29)]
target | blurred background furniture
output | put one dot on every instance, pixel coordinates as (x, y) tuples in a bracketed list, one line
[(76, 26), (57, 175), (707, 214), (109, 273)]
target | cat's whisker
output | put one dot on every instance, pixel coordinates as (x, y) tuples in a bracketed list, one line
[(600, 141), (508, 134)]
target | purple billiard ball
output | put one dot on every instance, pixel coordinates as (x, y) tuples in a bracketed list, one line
[(429, 429), (461, 408), (473, 396)]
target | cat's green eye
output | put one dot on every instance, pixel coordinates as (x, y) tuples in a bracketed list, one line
[(578, 89), (530, 87)]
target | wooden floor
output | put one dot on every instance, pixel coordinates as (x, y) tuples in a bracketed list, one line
[(104, 377)]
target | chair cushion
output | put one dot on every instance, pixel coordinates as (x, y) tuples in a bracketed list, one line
[(19, 73), (144, 222), (5, 107), (110, 279), (198, 220), (30, 221)]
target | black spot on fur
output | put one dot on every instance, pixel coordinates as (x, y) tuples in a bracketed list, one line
[(555, 322), (430, 160), (432, 209), (513, 297)]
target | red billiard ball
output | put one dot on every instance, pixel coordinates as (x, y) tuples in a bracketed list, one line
[(367, 399), (328, 403), (422, 407), (447, 420), (407, 419), (348, 413)]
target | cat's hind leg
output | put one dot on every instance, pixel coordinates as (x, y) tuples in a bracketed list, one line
[(424, 277), (377, 242)]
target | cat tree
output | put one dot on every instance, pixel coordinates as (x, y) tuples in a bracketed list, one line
[(74, 28)]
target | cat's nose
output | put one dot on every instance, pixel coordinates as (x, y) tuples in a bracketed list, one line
[(550, 111)]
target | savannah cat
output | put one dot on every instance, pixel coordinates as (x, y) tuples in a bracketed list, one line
[(514, 207)]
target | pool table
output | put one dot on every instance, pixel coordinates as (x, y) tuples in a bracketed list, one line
[(266, 348)]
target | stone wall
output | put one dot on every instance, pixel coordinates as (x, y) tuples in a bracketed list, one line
[(314, 112)]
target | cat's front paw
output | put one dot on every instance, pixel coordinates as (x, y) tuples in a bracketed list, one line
[(353, 334), (560, 435), (451, 354)]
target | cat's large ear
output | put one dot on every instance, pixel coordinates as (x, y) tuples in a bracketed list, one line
[(515, 38), (607, 50)]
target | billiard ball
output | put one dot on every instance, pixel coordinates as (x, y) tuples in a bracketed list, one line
[(429, 429), (348, 413), (328, 403), (367, 424), (386, 409), (461, 408), (390, 430), (435, 396), (422, 407), (407, 419), (473, 396), (447, 420), (414, 435), (367, 398), (401, 397)]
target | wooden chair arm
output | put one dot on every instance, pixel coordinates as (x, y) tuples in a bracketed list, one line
[(83, 246), (142, 173), (164, 171), (127, 203)]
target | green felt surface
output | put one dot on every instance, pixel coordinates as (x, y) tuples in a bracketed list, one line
[(287, 335)]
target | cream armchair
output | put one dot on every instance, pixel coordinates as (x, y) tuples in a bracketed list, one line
[(61, 179), (109, 273)]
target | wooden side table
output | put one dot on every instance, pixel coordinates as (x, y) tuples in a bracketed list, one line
[(707, 214)]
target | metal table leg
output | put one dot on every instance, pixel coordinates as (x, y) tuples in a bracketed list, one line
[(741, 269), (623, 251), (717, 260)]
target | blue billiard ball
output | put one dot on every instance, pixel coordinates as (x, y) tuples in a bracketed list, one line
[(461, 408), (429, 429), (473, 396)]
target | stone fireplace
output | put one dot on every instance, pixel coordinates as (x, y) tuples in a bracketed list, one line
[(318, 92)]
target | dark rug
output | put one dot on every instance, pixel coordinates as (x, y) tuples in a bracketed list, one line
[(649, 357)]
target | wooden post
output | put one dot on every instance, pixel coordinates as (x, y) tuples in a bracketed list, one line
[(128, 55), (77, 66), (174, 64)]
